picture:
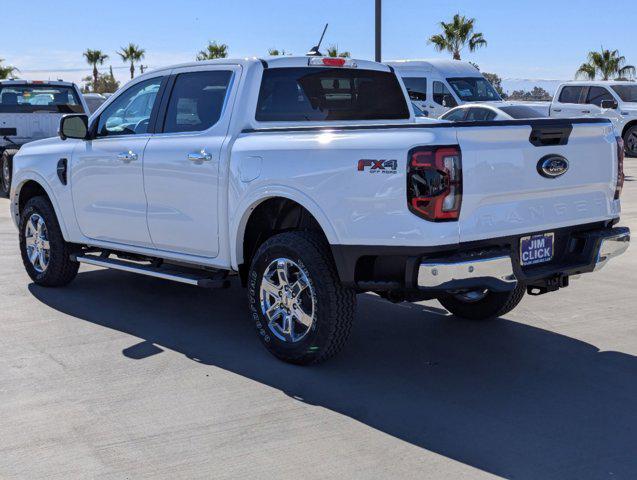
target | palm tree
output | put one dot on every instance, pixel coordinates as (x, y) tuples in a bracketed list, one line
[(332, 51), (95, 58), (212, 51), (6, 70), (606, 63), (133, 54), (457, 35)]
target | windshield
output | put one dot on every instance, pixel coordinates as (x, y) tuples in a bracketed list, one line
[(39, 98), (325, 94), (521, 111), (473, 89), (628, 93)]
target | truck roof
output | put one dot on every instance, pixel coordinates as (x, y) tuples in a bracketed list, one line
[(447, 68), (277, 62), (599, 82), (37, 82)]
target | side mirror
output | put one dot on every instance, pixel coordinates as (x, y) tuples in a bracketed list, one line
[(74, 126), (609, 104)]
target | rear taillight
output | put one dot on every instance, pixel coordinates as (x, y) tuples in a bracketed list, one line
[(434, 183), (620, 168)]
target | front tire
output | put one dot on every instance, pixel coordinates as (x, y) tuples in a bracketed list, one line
[(302, 312), (483, 305), (45, 254), (630, 141), (6, 174)]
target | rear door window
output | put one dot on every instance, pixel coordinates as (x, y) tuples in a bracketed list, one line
[(325, 94), (196, 101), (455, 115), (597, 94), (571, 94), (416, 88), (480, 115)]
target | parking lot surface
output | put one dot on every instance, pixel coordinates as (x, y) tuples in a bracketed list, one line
[(121, 376)]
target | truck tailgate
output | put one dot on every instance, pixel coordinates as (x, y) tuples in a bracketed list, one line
[(31, 126), (504, 192)]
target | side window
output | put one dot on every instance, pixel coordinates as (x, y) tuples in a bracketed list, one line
[(196, 101), (416, 88), (130, 113), (480, 115), (597, 94), (455, 116), (442, 95), (571, 94)]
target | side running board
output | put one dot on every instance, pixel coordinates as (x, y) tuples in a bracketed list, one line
[(174, 273)]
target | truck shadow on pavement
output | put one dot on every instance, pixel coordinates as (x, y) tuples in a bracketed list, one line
[(509, 399)]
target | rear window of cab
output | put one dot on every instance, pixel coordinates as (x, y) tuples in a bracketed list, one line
[(323, 94)]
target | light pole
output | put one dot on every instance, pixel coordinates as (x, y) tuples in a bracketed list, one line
[(378, 29)]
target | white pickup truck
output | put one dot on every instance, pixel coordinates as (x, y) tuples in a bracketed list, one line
[(310, 179), (31, 110), (615, 100)]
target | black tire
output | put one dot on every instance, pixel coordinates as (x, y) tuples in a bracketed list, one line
[(334, 304), (6, 172), (630, 141), (492, 305), (60, 269)]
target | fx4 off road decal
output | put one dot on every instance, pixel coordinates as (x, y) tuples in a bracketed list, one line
[(377, 166)]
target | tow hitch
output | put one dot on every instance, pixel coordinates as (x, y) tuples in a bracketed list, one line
[(552, 284)]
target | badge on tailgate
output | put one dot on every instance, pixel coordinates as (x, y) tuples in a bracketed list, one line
[(536, 249)]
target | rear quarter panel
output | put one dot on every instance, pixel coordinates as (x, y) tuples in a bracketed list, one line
[(319, 170)]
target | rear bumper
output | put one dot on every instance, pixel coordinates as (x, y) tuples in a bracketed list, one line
[(498, 274), (493, 264)]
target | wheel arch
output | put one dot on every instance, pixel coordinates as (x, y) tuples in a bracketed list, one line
[(629, 125), (32, 186), (272, 214)]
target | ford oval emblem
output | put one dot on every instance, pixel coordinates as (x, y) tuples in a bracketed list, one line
[(552, 166)]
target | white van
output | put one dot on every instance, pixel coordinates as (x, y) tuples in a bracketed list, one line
[(437, 85)]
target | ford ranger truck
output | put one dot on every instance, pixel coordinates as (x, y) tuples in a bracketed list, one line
[(31, 110), (310, 180)]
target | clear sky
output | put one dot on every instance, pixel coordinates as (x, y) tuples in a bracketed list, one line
[(537, 39)]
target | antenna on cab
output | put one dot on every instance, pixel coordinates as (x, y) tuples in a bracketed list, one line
[(315, 51)]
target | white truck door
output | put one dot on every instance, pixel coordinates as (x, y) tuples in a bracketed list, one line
[(569, 102), (181, 163), (107, 173), (594, 99)]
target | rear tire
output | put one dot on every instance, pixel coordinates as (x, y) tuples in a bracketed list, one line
[(630, 141), (306, 317), (6, 172), (491, 305), (45, 253)]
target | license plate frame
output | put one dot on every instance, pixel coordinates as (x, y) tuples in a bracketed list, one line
[(537, 249)]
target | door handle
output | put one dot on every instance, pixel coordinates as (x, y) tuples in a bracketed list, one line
[(586, 111), (557, 109), (127, 157), (200, 157)]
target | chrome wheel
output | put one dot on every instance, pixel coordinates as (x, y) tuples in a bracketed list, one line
[(287, 300), (37, 243), (471, 296)]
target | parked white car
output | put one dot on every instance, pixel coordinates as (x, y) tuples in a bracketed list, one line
[(480, 112), (31, 110), (612, 99), (311, 180), (437, 85)]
